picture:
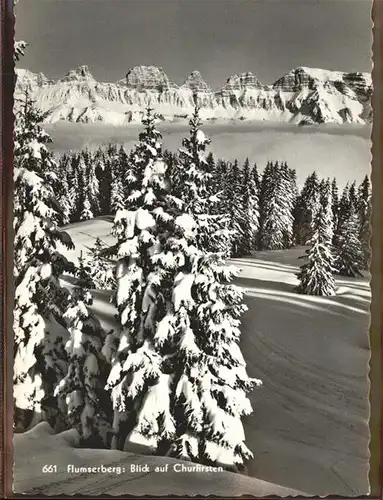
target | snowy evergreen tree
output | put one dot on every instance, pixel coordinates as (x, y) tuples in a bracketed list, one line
[(118, 187), (345, 206), (316, 276), (250, 209), (348, 251), (364, 207), (89, 408), (235, 207), (288, 194), (256, 177), (305, 209), (201, 331), (100, 269), (93, 185), (221, 186), (194, 185), (335, 201), (73, 188), (85, 195), (106, 186), (62, 192), (139, 389), (353, 196), (39, 299), (276, 205)]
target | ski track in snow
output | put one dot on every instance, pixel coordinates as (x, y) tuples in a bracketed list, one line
[(309, 430)]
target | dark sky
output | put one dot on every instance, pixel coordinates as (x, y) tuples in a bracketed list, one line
[(217, 37)]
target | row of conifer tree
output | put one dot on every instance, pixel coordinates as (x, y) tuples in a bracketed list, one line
[(262, 211)]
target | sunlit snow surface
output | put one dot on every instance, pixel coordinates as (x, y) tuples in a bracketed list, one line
[(309, 430)]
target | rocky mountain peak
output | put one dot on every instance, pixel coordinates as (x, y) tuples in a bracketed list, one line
[(196, 83), (79, 74), (242, 81), (148, 78)]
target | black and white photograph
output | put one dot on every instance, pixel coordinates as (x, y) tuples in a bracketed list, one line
[(192, 207)]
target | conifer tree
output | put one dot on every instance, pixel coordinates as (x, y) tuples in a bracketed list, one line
[(101, 269), (201, 329), (106, 180), (93, 187), (222, 186), (235, 206), (256, 177), (62, 193), (89, 408), (345, 206), (335, 201), (364, 207), (138, 384), (74, 188), (39, 299), (86, 194), (305, 209), (288, 194), (353, 196), (194, 184), (250, 209), (276, 205), (316, 276), (348, 252)]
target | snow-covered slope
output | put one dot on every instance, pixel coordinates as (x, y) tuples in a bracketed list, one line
[(117, 476), (309, 430), (304, 95)]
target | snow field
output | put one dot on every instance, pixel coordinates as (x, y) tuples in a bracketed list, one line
[(309, 430)]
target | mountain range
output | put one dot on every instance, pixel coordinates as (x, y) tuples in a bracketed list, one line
[(303, 96)]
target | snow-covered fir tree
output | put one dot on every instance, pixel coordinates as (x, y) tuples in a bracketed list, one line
[(201, 330), (335, 201), (85, 196), (117, 195), (288, 186), (106, 180), (364, 207), (345, 206), (99, 268), (256, 177), (88, 403), (93, 185), (305, 209), (276, 205), (236, 210), (348, 252), (40, 360), (250, 209), (62, 193), (316, 275), (138, 385), (73, 188), (193, 183)]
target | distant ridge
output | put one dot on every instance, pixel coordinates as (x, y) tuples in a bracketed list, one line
[(302, 96)]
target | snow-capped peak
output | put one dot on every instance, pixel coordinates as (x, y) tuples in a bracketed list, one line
[(148, 78), (80, 73), (196, 83), (303, 95), (242, 81)]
